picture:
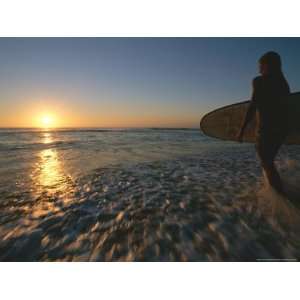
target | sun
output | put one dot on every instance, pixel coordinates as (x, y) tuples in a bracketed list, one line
[(47, 121)]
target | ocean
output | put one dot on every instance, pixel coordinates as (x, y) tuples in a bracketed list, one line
[(140, 195)]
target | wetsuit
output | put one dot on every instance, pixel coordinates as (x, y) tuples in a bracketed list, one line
[(269, 99)]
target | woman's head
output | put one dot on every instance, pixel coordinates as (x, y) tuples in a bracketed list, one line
[(270, 63)]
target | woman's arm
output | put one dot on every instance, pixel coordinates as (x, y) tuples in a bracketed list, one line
[(249, 116), (250, 112)]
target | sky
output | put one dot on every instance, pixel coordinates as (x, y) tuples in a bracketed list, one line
[(130, 82)]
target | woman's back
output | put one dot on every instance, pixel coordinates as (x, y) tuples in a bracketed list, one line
[(271, 93)]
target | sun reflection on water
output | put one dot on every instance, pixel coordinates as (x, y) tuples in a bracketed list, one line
[(51, 174), (47, 138), (52, 183)]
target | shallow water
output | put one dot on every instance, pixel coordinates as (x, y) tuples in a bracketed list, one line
[(141, 195)]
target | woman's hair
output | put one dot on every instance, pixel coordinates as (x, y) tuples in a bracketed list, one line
[(273, 60)]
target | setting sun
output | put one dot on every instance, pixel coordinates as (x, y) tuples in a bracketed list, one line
[(47, 121)]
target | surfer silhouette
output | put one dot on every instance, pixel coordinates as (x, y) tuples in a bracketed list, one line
[(268, 103)]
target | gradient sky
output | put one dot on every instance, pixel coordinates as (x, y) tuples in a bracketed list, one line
[(130, 82)]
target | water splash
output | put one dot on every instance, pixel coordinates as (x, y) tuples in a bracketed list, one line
[(282, 210)]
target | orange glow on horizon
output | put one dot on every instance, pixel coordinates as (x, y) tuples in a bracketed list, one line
[(59, 114)]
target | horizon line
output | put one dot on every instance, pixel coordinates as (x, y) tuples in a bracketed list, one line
[(97, 127)]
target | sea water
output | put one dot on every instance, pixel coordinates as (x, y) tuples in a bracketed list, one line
[(139, 194)]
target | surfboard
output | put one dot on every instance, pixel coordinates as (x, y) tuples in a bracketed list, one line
[(225, 122)]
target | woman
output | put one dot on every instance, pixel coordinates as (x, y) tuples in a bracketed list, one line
[(270, 91)]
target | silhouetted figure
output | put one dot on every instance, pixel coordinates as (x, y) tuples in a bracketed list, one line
[(270, 91)]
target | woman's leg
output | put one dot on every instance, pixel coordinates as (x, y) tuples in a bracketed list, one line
[(273, 176), (267, 150)]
